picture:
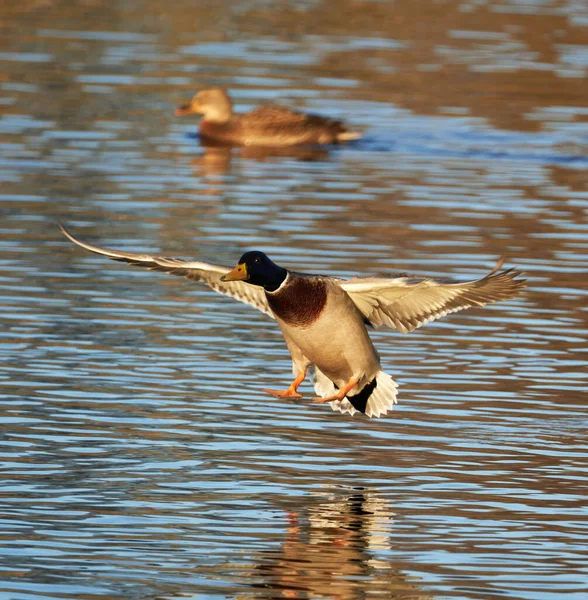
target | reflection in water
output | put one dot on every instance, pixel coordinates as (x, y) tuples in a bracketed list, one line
[(332, 549), (216, 159)]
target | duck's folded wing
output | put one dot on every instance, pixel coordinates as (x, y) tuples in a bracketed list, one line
[(278, 117), (196, 271), (273, 115), (405, 303)]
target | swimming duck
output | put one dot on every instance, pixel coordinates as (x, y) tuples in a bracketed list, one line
[(263, 126), (324, 319)]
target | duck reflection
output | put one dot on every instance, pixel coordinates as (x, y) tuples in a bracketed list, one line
[(217, 158), (331, 551)]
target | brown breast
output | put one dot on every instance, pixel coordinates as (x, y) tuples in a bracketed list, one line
[(300, 301), (225, 133)]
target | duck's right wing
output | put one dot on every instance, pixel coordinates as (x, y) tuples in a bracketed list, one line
[(196, 271)]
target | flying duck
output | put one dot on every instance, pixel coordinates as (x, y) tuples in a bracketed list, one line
[(272, 125), (324, 319)]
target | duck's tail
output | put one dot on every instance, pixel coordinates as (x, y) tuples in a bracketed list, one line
[(375, 399), (347, 136)]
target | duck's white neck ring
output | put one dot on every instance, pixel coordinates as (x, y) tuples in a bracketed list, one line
[(281, 285)]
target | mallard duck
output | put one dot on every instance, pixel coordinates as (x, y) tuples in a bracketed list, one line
[(324, 319), (263, 126)]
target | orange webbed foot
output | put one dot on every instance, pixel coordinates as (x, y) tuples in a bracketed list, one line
[(340, 395), (289, 393), (325, 400)]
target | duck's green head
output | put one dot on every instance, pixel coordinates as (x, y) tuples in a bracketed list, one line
[(257, 269)]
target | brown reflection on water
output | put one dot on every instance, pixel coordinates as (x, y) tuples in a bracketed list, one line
[(216, 160), (328, 553)]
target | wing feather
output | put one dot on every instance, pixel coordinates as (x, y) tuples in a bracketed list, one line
[(279, 118), (273, 114), (405, 303), (196, 271)]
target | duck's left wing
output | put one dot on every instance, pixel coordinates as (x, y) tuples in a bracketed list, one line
[(208, 274), (405, 303)]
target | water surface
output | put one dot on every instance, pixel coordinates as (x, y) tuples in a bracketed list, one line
[(140, 457)]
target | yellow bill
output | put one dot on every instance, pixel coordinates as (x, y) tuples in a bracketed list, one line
[(239, 273)]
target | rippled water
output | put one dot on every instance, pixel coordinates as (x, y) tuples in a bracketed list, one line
[(140, 457)]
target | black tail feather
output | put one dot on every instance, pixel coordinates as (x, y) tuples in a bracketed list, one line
[(359, 401)]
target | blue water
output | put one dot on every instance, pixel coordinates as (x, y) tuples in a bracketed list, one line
[(140, 456)]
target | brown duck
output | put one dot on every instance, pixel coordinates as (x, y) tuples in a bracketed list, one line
[(271, 125), (323, 319)]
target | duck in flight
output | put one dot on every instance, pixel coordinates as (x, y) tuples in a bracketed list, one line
[(271, 125), (324, 319)]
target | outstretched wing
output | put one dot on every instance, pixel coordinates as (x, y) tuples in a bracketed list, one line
[(196, 271), (406, 303)]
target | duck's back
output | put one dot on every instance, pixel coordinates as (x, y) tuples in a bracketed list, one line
[(273, 115)]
